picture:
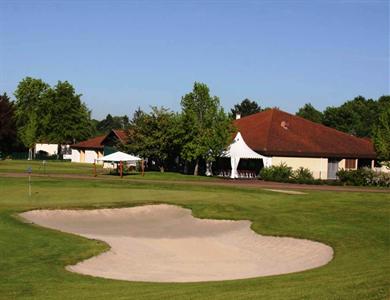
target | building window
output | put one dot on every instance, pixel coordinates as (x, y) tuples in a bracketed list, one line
[(350, 163)]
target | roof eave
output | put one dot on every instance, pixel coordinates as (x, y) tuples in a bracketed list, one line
[(318, 154)]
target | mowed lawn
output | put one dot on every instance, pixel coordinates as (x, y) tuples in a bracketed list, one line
[(46, 167), (356, 225), (50, 167)]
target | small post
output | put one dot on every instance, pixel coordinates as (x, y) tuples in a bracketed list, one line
[(142, 167), (29, 171), (121, 168), (44, 167), (94, 169)]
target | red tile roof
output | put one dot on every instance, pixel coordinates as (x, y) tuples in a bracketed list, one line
[(121, 134), (93, 143), (277, 133), (98, 141)]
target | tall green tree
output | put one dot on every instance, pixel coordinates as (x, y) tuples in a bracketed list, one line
[(384, 101), (208, 128), (111, 122), (355, 117), (53, 115), (381, 136), (30, 101), (245, 108), (154, 135), (68, 117), (309, 112), (7, 124)]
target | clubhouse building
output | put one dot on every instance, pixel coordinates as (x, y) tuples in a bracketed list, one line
[(284, 138), (267, 138)]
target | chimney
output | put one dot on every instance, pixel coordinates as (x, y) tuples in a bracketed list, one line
[(238, 116)]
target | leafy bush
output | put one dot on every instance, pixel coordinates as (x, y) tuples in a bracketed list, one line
[(364, 177), (284, 173), (360, 177), (281, 173), (302, 175), (352, 177)]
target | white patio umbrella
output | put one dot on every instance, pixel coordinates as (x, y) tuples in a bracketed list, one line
[(239, 149)]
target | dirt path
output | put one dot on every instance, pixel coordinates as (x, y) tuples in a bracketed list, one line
[(259, 184)]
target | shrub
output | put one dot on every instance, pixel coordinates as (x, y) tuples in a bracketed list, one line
[(281, 173), (352, 177), (302, 175), (364, 177)]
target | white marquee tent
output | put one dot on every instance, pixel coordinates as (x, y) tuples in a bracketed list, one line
[(119, 156), (239, 149)]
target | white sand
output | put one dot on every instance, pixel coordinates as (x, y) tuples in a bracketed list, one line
[(286, 192), (165, 243)]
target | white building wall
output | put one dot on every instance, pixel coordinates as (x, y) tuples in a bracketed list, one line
[(51, 149), (75, 156), (318, 166), (90, 156), (67, 156)]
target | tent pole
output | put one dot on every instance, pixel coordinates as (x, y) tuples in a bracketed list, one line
[(234, 161)]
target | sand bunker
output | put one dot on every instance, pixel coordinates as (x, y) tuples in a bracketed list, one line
[(165, 243), (286, 192)]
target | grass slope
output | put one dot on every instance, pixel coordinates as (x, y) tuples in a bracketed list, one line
[(356, 225)]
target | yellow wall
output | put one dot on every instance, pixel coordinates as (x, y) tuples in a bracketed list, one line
[(99, 155), (82, 156), (318, 166)]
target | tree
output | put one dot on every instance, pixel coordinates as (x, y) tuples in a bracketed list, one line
[(30, 95), (355, 117), (7, 123), (310, 113), (53, 115), (245, 108), (68, 117), (384, 102), (153, 135), (381, 136), (111, 122), (207, 126)]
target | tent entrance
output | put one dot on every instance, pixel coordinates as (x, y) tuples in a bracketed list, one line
[(246, 168), (238, 151)]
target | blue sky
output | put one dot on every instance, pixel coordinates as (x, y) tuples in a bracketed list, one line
[(125, 54)]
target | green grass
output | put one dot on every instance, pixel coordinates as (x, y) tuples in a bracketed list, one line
[(50, 167), (356, 225), (64, 167)]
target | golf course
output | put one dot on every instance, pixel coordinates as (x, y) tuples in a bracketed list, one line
[(33, 259)]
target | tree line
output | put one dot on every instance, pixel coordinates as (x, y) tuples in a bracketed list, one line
[(197, 134), (366, 118), (42, 113)]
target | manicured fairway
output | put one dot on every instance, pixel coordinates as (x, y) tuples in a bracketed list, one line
[(356, 225), (65, 167)]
